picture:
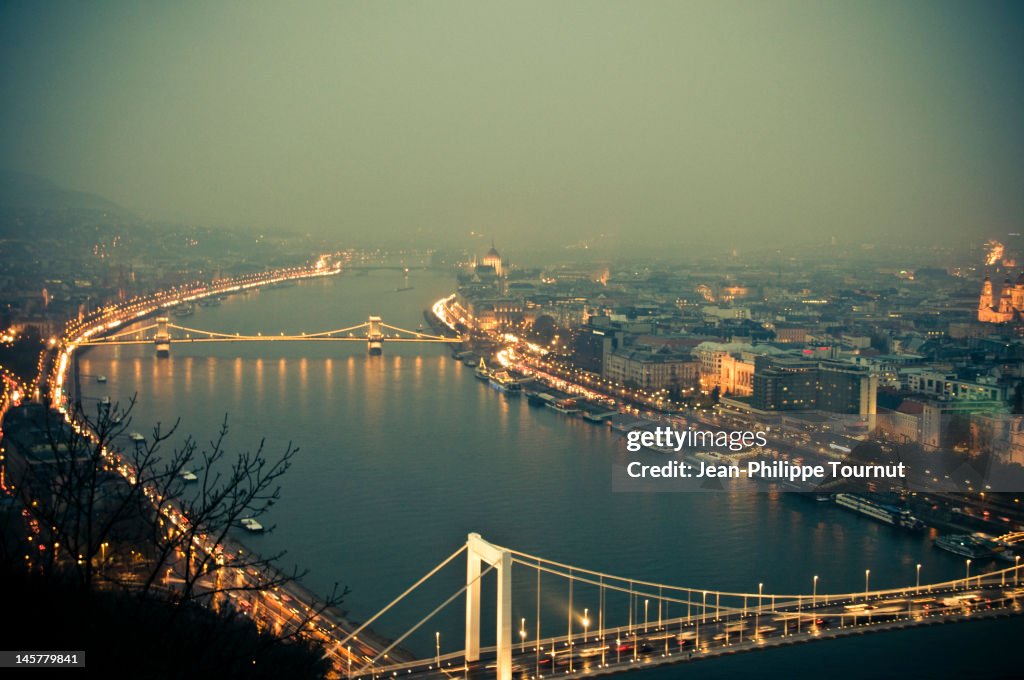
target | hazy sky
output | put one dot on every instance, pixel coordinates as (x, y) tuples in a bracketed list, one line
[(646, 120)]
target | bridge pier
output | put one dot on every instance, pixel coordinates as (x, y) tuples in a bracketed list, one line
[(162, 339), (478, 550), (374, 336)]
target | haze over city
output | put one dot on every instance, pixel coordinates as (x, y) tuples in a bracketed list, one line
[(601, 124), (632, 335)]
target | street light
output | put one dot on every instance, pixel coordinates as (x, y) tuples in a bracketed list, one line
[(757, 616)]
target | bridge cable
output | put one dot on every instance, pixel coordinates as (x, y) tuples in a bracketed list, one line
[(416, 333), (630, 602), (118, 335), (238, 336), (338, 330), (209, 333), (426, 618), (397, 599), (634, 594), (786, 599), (537, 633), (568, 636), (600, 618)]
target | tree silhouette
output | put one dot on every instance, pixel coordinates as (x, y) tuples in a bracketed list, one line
[(109, 515)]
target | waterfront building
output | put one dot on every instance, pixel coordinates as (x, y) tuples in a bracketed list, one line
[(647, 369), (790, 383), (729, 366)]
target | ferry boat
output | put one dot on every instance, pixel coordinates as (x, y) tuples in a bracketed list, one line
[(137, 437), (883, 512), (566, 406), (188, 476), (183, 311), (964, 545), (482, 372), (250, 524), (502, 381), (210, 301), (101, 378)]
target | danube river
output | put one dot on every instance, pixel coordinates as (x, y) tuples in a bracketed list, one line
[(403, 454)]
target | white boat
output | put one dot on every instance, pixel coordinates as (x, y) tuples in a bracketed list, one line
[(101, 378), (249, 524), (137, 437), (883, 512), (188, 476)]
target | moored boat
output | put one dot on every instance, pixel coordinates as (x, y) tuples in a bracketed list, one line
[(964, 545), (250, 524), (883, 512), (503, 381)]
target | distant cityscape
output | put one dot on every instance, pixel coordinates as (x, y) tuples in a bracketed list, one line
[(916, 354)]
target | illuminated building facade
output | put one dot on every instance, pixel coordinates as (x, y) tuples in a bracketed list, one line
[(493, 259), (1010, 306), (662, 369)]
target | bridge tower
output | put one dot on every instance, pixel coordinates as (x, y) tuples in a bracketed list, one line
[(162, 339), (478, 550), (374, 336)]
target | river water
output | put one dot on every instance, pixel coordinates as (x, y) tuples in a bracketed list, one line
[(403, 454)]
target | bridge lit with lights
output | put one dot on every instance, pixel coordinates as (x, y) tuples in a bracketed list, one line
[(374, 332), (614, 624)]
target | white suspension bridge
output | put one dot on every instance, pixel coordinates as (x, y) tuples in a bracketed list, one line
[(678, 624)]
